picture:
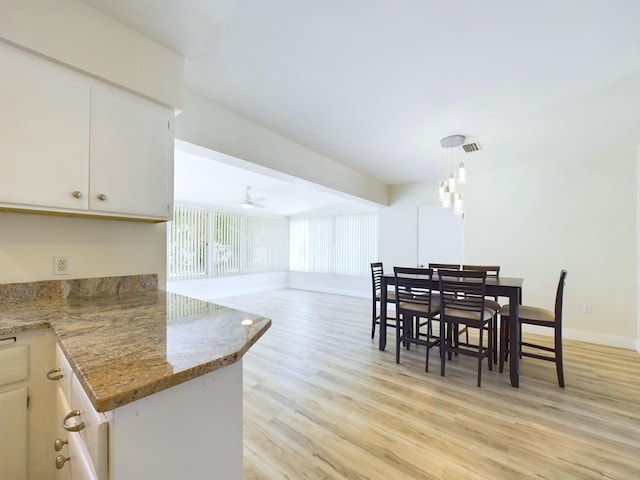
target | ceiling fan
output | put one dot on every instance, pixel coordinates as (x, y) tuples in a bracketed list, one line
[(250, 202)]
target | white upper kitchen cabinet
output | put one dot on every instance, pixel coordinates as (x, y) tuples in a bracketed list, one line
[(131, 155), (72, 144), (44, 133)]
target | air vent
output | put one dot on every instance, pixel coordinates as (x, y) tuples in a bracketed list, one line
[(471, 147)]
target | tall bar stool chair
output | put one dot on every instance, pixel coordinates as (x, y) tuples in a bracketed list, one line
[(493, 271), (462, 304), (541, 317), (377, 271), (415, 308)]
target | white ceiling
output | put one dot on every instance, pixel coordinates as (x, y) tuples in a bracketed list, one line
[(375, 84)]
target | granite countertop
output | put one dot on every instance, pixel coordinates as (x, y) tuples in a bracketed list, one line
[(128, 345)]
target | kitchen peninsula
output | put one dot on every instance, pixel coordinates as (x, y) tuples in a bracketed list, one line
[(166, 369)]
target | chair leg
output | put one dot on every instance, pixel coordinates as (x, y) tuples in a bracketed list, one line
[(426, 363), (490, 344), (495, 338), (374, 317), (558, 354), (504, 342), (481, 351), (443, 347), (399, 325)]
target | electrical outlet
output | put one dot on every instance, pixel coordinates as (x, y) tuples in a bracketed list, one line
[(586, 308), (61, 265)]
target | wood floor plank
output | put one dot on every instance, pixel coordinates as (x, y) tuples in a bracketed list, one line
[(322, 402)]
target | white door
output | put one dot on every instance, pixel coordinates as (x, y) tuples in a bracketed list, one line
[(440, 236)]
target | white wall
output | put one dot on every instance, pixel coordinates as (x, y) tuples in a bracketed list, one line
[(538, 218), (337, 284), (534, 219), (97, 248), (212, 288), (637, 219), (398, 224)]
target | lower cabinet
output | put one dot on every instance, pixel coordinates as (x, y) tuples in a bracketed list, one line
[(50, 430), (191, 430), (24, 405)]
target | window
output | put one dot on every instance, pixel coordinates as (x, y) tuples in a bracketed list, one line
[(209, 243), (335, 245)]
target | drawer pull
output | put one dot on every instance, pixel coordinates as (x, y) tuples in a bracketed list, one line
[(72, 428), (60, 461), (55, 374), (59, 443)]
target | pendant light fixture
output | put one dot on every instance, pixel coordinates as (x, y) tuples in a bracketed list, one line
[(448, 189)]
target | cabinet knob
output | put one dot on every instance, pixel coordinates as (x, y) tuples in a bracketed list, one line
[(60, 461), (59, 443), (102, 197), (55, 374), (72, 428), (77, 194)]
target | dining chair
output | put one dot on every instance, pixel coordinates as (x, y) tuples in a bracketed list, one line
[(493, 271), (463, 304), (377, 271), (415, 302), (541, 317)]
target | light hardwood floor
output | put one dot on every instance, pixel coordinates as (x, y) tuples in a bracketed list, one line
[(322, 402)]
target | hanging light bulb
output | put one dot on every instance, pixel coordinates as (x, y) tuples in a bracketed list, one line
[(452, 182), (458, 206), (462, 173), (441, 186), (446, 199)]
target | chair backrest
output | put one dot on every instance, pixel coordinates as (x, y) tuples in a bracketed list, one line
[(445, 266), (559, 296), (492, 270), (413, 289), (464, 292), (376, 276)]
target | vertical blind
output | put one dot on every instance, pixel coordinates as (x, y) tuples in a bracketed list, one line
[(209, 243), (335, 245)]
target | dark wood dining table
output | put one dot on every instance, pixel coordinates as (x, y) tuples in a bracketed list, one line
[(508, 287)]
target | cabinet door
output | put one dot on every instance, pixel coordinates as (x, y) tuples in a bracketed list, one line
[(78, 465), (44, 133), (131, 155), (13, 434)]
